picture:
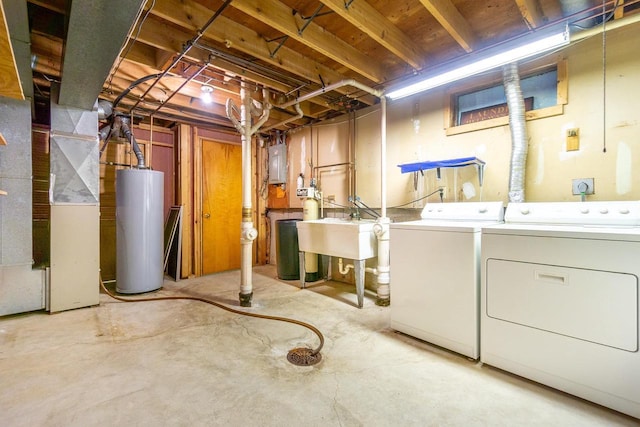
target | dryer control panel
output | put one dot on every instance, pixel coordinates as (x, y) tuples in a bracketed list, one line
[(464, 211), (606, 213)]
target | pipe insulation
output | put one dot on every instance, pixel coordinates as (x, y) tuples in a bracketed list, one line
[(517, 125)]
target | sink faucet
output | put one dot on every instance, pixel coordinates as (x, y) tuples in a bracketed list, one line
[(355, 210)]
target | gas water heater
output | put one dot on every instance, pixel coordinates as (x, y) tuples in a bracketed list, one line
[(140, 230)]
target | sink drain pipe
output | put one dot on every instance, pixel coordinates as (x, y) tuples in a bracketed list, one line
[(301, 356)]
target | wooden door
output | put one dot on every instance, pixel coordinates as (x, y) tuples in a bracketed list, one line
[(221, 206)]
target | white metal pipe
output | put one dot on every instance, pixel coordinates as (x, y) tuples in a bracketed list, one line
[(299, 115), (247, 232), (246, 285), (615, 24), (266, 108), (245, 120), (337, 85), (383, 157), (381, 230), (231, 109)]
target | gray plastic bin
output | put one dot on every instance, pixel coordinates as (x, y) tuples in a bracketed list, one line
[(287, 259)]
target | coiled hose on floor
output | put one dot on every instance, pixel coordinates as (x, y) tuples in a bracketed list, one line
[(300, 356)]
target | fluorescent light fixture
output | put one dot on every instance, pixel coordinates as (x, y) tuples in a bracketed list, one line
[(205, 96), (488, 61)]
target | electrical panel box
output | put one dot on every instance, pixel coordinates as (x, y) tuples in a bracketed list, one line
[(278, 164)]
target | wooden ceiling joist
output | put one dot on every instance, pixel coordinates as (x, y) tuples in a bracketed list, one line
[(192, 16), (452, 21), (279, 16), (375, 25), (530, 10)]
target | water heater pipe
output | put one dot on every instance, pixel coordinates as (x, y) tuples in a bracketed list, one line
[(124, 126)]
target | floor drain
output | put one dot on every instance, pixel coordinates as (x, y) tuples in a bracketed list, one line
[(303, 357)]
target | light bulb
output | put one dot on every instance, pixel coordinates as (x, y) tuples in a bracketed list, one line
[(205, 94)]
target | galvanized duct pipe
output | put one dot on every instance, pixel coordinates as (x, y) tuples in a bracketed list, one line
[(517, 124)]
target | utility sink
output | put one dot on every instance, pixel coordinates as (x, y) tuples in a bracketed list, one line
[(344, 238)]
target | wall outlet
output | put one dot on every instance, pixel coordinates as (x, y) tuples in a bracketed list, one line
[(582, 185)]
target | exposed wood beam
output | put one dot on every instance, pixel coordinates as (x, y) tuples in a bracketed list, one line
[(452, 21), (192, 16), (144, 55), (619, 13), (375, 25), (531, 13), (155, 36), (281, 17), (187, 99), (10, 85)]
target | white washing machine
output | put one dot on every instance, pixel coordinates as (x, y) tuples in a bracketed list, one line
[(560, 298), (435, 274)]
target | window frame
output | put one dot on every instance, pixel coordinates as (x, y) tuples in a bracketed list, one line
[(494, 79)]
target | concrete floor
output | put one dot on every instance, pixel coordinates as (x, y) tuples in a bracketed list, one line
[(185, 363)]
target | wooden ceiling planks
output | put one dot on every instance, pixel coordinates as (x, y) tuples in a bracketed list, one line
[(10, 85), (293, 47)]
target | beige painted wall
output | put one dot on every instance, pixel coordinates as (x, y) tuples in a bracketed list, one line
[(322, 151), (415, 132)]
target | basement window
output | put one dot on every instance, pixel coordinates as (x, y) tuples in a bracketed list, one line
[(481, 107)]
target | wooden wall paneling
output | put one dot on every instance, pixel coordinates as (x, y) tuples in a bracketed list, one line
[(40, 196), (197, 203), (185, 196)]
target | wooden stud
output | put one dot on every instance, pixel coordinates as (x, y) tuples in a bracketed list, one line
[(197, 203), (185, 197)]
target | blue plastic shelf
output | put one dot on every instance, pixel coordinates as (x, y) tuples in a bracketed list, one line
[(448, 163)]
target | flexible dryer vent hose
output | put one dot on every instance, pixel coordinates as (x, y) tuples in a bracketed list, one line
[(297, 356)]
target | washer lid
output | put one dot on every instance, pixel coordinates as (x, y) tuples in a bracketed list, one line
[(464, 211)]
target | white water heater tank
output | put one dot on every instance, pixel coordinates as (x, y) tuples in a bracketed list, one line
[(139, 230)]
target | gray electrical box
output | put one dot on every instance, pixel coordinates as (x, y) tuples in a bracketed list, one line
[(278, 164)]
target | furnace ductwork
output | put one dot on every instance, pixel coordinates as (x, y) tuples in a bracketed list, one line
[(517, 124)]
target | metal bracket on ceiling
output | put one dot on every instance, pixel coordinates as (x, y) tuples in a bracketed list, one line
[(309, 19), (348, 3), (282, 40)]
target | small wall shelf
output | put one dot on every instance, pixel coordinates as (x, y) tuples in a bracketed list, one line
[(449, 163)]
